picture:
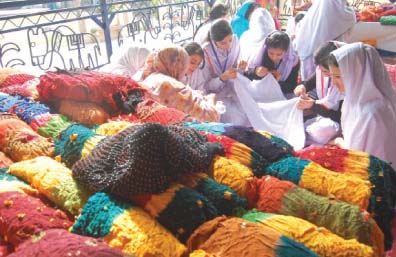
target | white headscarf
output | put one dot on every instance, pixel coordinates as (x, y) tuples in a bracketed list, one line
[(325, 20), (261, 25), (127, 60), (368, 117)]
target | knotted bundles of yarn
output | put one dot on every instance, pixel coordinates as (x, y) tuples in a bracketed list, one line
[(9, 127), (26, 144), (59, 242), (223, 197), (101, 88), (318, 239), (22, 216), (272, 195), (113, 127), (5, 162), (359, 164), (144, 159), (231, 173), (85, 113), (126, 227), (50, 125), (20, 84), (241, 153), (166, 208), (321, 181), (236, 237), (53, 180)]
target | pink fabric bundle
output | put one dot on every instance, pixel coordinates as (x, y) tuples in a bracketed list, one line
[(391, 68)]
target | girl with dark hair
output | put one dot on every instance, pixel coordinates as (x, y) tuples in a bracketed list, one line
[(196, 63), (218, 11), (368, 118), (221, 68), (240, 21), (275, 57)]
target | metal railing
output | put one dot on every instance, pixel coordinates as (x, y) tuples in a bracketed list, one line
[(85, 33)]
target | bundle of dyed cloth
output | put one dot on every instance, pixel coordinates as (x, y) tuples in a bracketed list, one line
[(174, 94), (367, 167), (272, 195), (9, 127), (151, 111), (270, 147), (50, 125), (26, 144), (166, 208), (112, 127), (5, 162), (4, 176), (318, 239), (15, 79), (8, 115), (391, 68), (201, 253), (223, 197), (105, 89), (88, 114), (21, 84), (59, 242), (315, 178), (241, 153), (144, 159), (126, 227), (23, 216), (75, 143), (231, 173), (388, 20), (5, 72), (53, 180), (240, 238)]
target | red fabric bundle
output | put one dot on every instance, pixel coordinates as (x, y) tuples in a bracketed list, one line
[(60, 243), (392, 73), (26, 89), (370, 13), (88, 86), (16, 79), (5, 162), (151, 111), (22, 216), (388, 12)]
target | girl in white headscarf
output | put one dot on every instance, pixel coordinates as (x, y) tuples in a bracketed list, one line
[(325, 20), (368, 118), (128, 60)]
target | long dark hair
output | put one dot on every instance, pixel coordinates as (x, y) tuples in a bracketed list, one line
[(219, 30), (278, 39), (321, 55), (332, 60), (194, 48), (218, 11)]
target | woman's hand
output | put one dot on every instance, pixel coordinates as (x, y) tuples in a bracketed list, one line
[(300, 90), (242, 65), (261, 71), (229, 74), (277, 75), (305, 102)]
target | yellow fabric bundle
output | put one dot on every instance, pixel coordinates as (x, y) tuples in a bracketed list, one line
[(86, 113), (53, 180), (90, 144), (113, 127), (26, 144), (201, 253), (231, 173), (318, 239), (136, 232), (343, 187)]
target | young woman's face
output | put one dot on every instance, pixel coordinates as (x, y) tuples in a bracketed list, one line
[(226, 43), (335, 74), (324, 71), (195, 61), (276, 54)]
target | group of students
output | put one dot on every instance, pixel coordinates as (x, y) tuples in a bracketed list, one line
[(343, 90)]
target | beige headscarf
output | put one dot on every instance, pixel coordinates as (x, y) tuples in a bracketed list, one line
[(171, 61)]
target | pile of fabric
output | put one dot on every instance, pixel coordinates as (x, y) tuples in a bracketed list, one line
[(119, 173)]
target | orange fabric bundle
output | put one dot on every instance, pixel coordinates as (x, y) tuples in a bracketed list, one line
[(9, 127), (5, 162), (86, 113), (370, 13)]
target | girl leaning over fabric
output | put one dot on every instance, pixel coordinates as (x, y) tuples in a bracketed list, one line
[(221, 68), (277, 57)]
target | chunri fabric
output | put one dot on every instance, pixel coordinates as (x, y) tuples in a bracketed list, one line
[(85, 113), (59, 242), (201, 253), (6, 72), (272, 195), (241, 153), (70, 143), (23, 216), (55, 124), (365, 166), (25, 89), (15, 79), (126, 227), (318, 239), (96, 87), (112, 127), (313, 177), (144, 159), (8, 127), (231, 173), (166, 208), (222, 196), (53, 180), (235, 237)]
